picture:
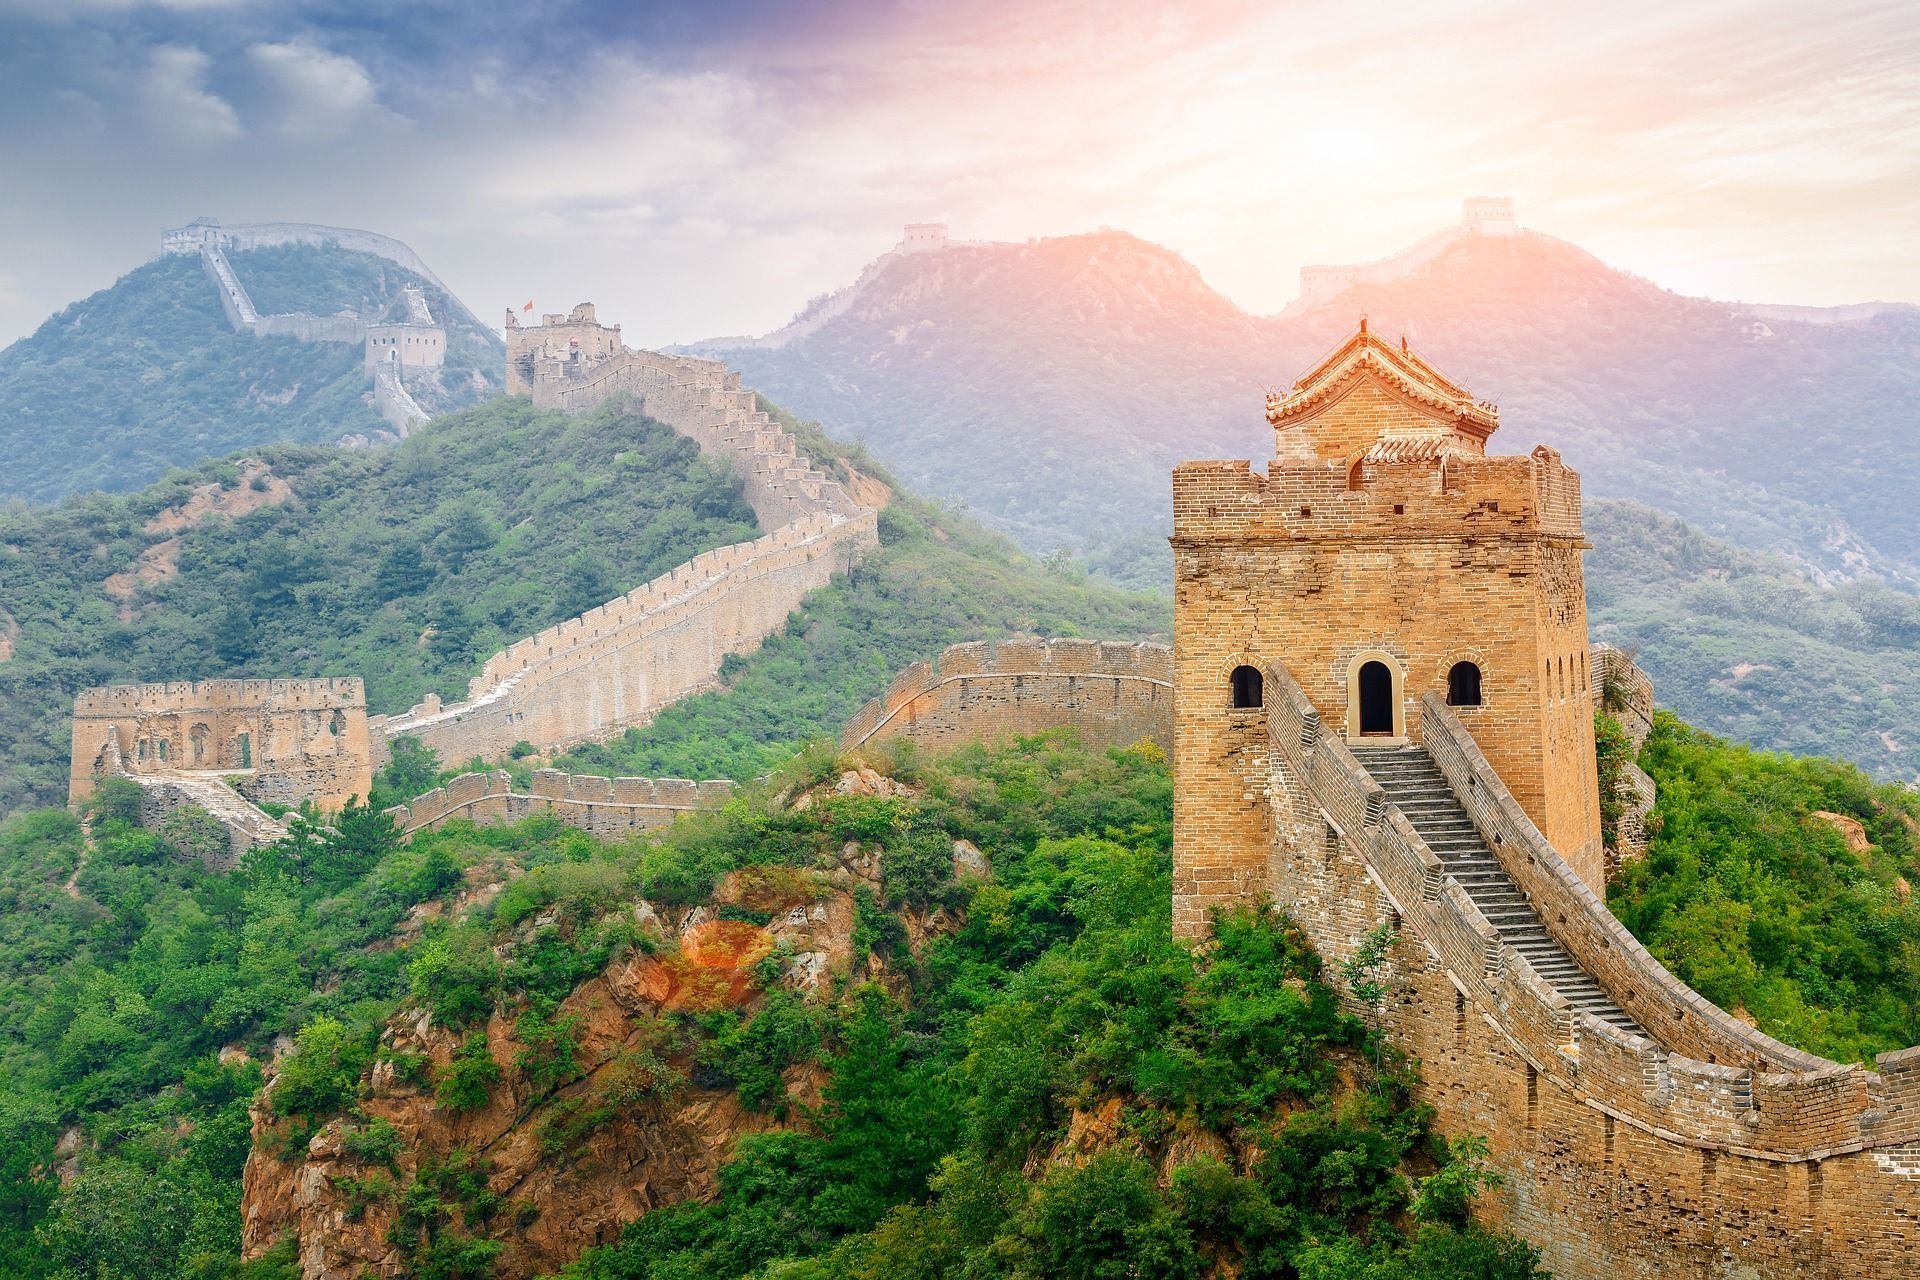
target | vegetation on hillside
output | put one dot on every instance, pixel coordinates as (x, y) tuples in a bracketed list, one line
[(406, 566), (1758, 901), (1746, 646), (954, 1069), (148, 375)]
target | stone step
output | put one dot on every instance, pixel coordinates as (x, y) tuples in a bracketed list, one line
[(1415, 786)]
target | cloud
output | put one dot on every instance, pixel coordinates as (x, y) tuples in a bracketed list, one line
[(319, 94), (64, 11), (173, 91)]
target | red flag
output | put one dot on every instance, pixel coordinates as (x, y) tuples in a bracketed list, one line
[(528, 307)]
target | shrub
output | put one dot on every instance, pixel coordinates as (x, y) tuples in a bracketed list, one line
[(467, 1082), (456, 975)]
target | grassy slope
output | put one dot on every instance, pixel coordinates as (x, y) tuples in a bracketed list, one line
[(1764, 908)]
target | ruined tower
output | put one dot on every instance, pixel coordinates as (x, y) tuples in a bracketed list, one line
[(1383, 556)]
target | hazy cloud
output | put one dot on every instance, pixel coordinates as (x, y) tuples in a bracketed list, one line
[(175, 96), (317, 94)]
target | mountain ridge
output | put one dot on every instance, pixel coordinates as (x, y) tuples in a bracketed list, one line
[(1005, 360)]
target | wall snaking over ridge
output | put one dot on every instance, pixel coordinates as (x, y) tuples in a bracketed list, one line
[(618, 664)]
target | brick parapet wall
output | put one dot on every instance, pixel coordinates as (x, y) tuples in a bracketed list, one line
[(602, 806), (1113, 694), (618, 667), (1623, 1158), (619, 663), (1710, 1079), (327, 693), (1623, 690), (1482, 496)]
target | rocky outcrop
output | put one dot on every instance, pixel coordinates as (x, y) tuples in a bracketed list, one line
[(564, 1165)]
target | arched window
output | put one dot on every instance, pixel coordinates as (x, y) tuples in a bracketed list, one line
[(1248, 690), (1376, 700), (1463, 685)]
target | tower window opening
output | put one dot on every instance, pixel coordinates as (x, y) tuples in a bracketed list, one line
[(1463, 685), (1376, 700), (1248, 688)]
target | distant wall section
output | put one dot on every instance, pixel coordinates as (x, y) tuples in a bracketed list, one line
[(618, 664), (605, 807), (1111, 694)]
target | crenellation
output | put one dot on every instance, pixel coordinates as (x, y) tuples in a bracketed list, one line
[(1382, 534)]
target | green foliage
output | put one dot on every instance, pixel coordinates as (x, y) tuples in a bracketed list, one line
[(752, 1054), (467, 1084), (456, 974), (322, 1075), (1760, 905), (1062, 990), (365, 571)]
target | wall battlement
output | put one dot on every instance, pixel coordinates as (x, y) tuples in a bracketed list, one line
[(1113, 694), (603, 806), (619, 663), (1715, 1141)]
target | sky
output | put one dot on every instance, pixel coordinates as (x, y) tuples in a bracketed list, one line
[(705, 168)]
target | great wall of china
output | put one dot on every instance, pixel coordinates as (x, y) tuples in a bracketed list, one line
[(615, 666), (1641, 1133), (1113, 695)]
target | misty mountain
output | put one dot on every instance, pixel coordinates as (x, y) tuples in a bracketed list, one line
[(1052, 384), (148, 375)]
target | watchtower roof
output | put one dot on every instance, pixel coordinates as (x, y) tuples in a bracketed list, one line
[(1427, 392)]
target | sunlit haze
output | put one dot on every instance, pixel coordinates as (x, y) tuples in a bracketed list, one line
[(704, 169)]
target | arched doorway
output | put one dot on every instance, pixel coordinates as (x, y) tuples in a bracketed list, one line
[(1376, 700)]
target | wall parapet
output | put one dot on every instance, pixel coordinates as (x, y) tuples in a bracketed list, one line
[(1708, 1081), (603, 806), (1114, 693)]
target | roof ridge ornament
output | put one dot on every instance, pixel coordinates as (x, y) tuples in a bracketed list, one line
[(1400, 368)]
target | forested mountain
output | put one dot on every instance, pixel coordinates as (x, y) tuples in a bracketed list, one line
[(408, 566), (148, 374), (1053, 384)]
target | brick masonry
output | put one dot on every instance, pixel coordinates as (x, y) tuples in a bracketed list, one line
[(1702, 1150)]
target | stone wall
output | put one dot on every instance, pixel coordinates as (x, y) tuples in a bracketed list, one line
[(1709, 1151), (245, 824), (606, 807), (618, 664), (1113, 694), (207, 232), (289, 740)]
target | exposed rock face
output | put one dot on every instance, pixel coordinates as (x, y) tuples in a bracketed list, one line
[(563, 1191)]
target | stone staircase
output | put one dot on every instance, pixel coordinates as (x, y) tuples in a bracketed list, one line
[(1414, 783)]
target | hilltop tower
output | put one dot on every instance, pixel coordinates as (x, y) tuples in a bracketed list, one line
[(1383, 556)]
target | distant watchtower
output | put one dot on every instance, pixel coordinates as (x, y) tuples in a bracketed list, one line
[(1382, 556)]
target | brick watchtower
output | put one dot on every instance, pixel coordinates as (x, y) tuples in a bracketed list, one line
[(1382, 556)]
